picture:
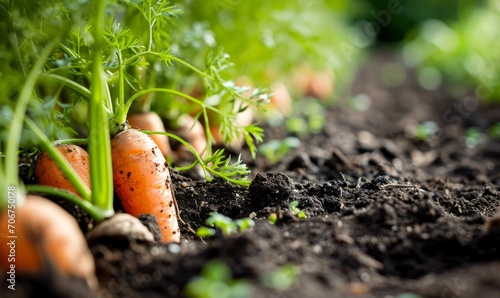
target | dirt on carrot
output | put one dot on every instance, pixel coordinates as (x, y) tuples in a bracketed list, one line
[(151, 121), (142, 180)]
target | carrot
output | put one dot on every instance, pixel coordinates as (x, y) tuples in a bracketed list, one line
[(142, 180), (151, 121), (244, 118), (192, 131), (281, 100), (45, 233), (300, 79), (321, 84), (48, 173)]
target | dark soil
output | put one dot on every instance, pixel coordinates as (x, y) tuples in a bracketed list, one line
[(387, 215)]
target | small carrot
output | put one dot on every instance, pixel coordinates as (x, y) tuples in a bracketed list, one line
[(48, 173), (45, 233), (192, 131), (244, 118), (151, 121), (300, 79), (281, 101), (142, 180), (321, 84)]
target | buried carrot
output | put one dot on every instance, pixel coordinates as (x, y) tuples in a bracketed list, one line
[(48, 173), (45, 233), (142, 180), (151, 121)]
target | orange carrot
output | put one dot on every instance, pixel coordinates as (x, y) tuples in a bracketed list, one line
[(307, 81), (151, 121), (244, 118), (142, 180), (300, 79), (281, 100), (321, 84), (193, 132), (48, 173), (45, 233)]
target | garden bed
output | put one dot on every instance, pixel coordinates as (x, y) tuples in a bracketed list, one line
[(386, 214)]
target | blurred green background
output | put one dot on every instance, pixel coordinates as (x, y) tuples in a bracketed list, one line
[(397, 18), (448, 41)]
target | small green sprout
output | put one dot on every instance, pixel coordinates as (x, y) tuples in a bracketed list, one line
[(276, 150), (425, 130), (282, 278), (216, 282), (293, 206), (473, 137), (360, 102), (494, 130), (296, 125), (273, 218), (226, 224)]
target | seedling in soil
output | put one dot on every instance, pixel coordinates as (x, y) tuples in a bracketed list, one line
[(216, 282), (473, 137), (225, 224), (282, 278), (293, 206), (273, 218), (495, 130), (425, 130), (276, 150), (309, 119)]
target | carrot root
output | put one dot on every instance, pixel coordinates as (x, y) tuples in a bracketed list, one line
[(142, 180), (48, 173), (46, 232)]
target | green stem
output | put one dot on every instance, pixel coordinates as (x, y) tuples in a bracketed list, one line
[(120, 111), (208, 133), (183, 142), (97, 213), (150, 44), (184, 95), (164, 56), (171, 91), (99, 143), (17, 124), (62, 163), (200, 160), (79, 89)]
